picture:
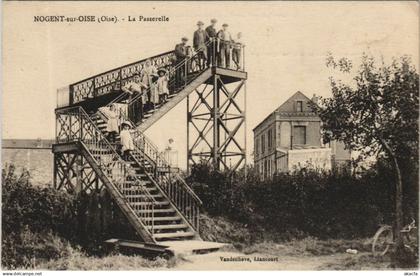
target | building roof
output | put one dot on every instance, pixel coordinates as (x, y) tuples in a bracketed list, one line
[(287, 108), (26, 144)]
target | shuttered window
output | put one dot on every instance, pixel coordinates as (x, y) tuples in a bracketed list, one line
[(299, 135), (299, 106)]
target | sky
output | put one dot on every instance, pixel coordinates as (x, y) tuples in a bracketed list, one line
[(286, 47)]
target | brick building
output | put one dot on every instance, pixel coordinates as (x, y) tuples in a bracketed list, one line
[(290, 138)]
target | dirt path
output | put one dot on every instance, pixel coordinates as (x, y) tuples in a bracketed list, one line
[(241, 261)]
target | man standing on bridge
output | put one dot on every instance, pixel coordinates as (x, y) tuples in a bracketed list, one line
[(199, 44), (211, 47), (180, 54), (225, 45)]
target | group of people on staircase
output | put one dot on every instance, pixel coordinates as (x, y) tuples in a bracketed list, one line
[(152, 81), (117, 125)]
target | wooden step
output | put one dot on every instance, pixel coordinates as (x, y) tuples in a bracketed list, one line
[(157, 211), (135, 181), (144, 196), (168, 226), (134, 189), (176, 218), (147, 203), (173, 235)]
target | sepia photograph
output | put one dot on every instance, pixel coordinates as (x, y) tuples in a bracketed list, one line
[(210, 135)]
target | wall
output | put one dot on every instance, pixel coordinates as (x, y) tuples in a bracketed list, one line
[(313, 134), (312, 158), (260, 132), (38, 161)]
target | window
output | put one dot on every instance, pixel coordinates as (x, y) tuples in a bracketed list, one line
[(262, 143), (299, 106), (270, 139), (299, 135), (257, 146)]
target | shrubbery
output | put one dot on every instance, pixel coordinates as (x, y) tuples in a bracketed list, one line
[(40, 223), (31, 219), (320, 204)]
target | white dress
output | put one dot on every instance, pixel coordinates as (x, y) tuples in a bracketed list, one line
[(126, 140), (154, 93), (162, 85), (112, 124)]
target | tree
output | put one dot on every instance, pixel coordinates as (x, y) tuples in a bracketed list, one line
[(376, 113)]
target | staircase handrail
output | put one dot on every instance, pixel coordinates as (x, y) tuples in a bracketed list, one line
[(141, 142), (171, 72), (89, 87), (160, 162), (164, 163), (137, 96), (100, 138)]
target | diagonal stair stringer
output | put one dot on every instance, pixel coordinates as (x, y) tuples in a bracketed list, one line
[(201, 78), (118, 197)]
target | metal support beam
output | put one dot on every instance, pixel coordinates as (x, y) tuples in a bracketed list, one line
[(216, 130), (73, 173), (216, 122)]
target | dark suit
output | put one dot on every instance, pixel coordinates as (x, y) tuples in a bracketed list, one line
[(199, 43), (180, 54), (211, 48)]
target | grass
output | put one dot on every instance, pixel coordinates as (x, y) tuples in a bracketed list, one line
[(364, 261), (309, 247), (76, 260)]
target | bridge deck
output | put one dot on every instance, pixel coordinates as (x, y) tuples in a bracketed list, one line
[(229, 75)]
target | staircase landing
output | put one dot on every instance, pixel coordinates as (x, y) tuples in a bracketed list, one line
[(172, 247)]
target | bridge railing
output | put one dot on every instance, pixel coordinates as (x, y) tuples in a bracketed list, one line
[(73, 124), (114, 79), (168, 179), (224, 54), (183, 197)]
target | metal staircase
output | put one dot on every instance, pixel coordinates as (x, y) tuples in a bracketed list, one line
[(152, 195), (144, 198)]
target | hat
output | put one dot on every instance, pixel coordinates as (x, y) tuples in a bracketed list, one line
[(162, 70), (128, 123), (225, 25), (154, 77), (184, 39), (200, 23), (213, 20)]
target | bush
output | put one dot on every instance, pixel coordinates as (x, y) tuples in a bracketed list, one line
[(34, 217), (303, 203), (26, 249), (35, 220), (38, 209)]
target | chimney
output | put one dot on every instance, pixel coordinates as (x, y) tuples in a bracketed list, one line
[(315, 99)]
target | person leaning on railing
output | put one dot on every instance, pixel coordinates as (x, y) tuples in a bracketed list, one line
[(134, 88)]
